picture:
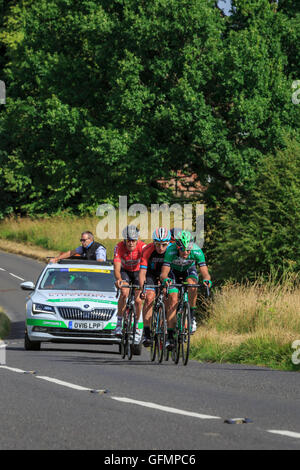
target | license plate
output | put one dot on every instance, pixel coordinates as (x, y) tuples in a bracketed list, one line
[(85, 325)]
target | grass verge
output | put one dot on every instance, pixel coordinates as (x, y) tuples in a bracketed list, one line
[(248, 324), (4, 324), (251, 324)]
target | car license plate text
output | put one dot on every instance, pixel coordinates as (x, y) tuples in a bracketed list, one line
[(88, 325)]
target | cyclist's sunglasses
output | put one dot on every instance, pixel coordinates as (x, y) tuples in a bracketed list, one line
[(182, 248), (84, 239), (161, 244)]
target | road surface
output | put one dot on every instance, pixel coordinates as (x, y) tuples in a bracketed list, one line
[(87, 397)]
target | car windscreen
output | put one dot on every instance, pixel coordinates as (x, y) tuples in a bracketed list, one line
[(94, 279)]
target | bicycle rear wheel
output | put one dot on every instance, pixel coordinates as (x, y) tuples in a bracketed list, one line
[(185, 333), (161, 332)]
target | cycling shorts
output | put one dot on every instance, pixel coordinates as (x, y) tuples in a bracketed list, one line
[(178, 277), (132, 277)]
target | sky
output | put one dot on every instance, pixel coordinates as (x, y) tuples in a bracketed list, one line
[(225, 5)]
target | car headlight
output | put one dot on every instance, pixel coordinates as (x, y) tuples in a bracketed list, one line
[(41, 308)]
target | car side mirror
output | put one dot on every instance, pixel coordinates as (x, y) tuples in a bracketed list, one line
[(28, 285)]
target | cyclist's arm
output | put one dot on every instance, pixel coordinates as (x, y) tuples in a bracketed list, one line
[(142, 277), (117, 271), (204, 273), (165, 270)]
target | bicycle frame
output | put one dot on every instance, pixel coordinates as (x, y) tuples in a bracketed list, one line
[(158, 324), (129, 323), (183, 323)]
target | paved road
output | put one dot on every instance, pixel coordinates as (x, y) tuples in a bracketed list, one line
[(145, 405)]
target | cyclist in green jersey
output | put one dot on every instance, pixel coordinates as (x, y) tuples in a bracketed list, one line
[(179, 266)]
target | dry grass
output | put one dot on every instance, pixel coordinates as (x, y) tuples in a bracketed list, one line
[(52, 235), (32, 251), (4, 324), (252, 323), (261, 306)]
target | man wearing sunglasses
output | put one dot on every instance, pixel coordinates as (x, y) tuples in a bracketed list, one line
[(89, 250), (150, 270), (180, 266)]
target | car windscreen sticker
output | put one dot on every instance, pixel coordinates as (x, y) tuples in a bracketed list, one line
[(105, 271), (83, 300)]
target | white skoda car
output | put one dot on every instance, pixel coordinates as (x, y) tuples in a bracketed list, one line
[(73, 301)]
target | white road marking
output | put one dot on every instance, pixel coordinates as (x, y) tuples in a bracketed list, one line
[(18, 277), (165, 408), (142, 403), (61, 382), (13, 369), (1, 269), (285, 433)]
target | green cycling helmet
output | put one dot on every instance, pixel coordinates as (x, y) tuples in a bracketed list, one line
[(184, 240)]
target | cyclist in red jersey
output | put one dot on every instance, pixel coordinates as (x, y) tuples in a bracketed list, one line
[(127, 256)]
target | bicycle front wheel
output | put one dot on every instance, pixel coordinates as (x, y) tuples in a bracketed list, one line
[(185, 333), (123, 344), (153, 337), (161, 332), (131, 332)]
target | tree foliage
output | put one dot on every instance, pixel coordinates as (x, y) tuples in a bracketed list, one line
[(262, 235), (106, 98)]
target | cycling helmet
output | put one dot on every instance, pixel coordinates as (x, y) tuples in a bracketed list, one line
[(161, 235), (184, 240), (174, 233), (131, 232)]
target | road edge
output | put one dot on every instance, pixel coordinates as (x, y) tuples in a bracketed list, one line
[(30, 251), (5, 324)]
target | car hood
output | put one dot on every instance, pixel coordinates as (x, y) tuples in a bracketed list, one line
[(80, 299)]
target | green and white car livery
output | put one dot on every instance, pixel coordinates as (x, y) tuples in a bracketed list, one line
[(72, 301)]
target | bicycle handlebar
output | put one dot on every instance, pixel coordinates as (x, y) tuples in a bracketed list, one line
[(128, 286)]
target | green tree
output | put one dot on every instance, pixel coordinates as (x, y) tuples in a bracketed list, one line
[(262, 235), (105, 98)]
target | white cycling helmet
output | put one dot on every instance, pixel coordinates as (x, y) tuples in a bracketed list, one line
[(131, 232)]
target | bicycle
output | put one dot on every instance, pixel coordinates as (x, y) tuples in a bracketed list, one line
[(127, 346), (158, 325), (183, 327)]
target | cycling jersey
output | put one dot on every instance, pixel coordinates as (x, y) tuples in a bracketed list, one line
[(151, 260), (176, 263), (130, 260)]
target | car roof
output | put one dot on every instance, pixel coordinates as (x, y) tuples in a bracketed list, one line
[(82, 262)]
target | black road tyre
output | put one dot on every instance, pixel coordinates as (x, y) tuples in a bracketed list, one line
[(124, 340), (131, 333), (161, 336), (153, 336), (185, 333), (31, 345), (177, 340)]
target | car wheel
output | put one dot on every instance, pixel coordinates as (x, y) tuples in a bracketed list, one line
[(31, 345)]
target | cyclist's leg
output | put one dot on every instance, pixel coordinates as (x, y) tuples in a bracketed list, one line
[(122, 301), (148, 307), (171, 307), (138, 307), (192, 278)]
